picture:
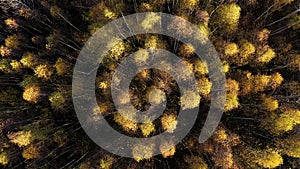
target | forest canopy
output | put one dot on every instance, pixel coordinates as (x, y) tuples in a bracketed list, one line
[(257, 42)]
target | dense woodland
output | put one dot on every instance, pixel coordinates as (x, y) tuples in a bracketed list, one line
[(257, 41)]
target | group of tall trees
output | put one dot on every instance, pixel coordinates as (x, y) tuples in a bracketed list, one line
[(257, 41)]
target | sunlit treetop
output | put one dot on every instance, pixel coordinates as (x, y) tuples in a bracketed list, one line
[(5, 51), (200, 67), (269, 103), (189, 100), (147, 128), (21, 138), (290, 146), (106, 162), (29, 60), (141, 151), (204, 86), (169, 122), (186, 50), (283, 122), (150, 21), (154, 42), (167, 149), (4, 159), (12, 42), (263, 35), (62, 67), (12, 23), (269, 159), (265, 54), (246, 49), (232, 102), (32, 151), (127, 124), (43, 71), (16, 65), (226, 18), (32, 93), (231, 49)]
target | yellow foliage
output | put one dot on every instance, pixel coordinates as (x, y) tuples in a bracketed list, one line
[(5, 51), (195, 162), (187, 50), (246, 48), (269, 159), (127, 124), (153, 42), (4, 158), (189, 100), (166, 150), (106, 162), (43, 71), (61, 66), (232, 86), (16, 65), (232, 102), (141, 151), (266, 56), (12, 41), (12, 23), (276, 80), (290, 146), (109, 14), (188, 4), (221, 135), (32, 93), (58, 100), (147, 128), (141, 56), (227, 17), (21, 138), (29, 60), (231, 49), (269, 103), (31, 152), (150, 20), (201, 67), (284, 122), (156, 96), (169, 122), (204, 86), (117, 50)]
